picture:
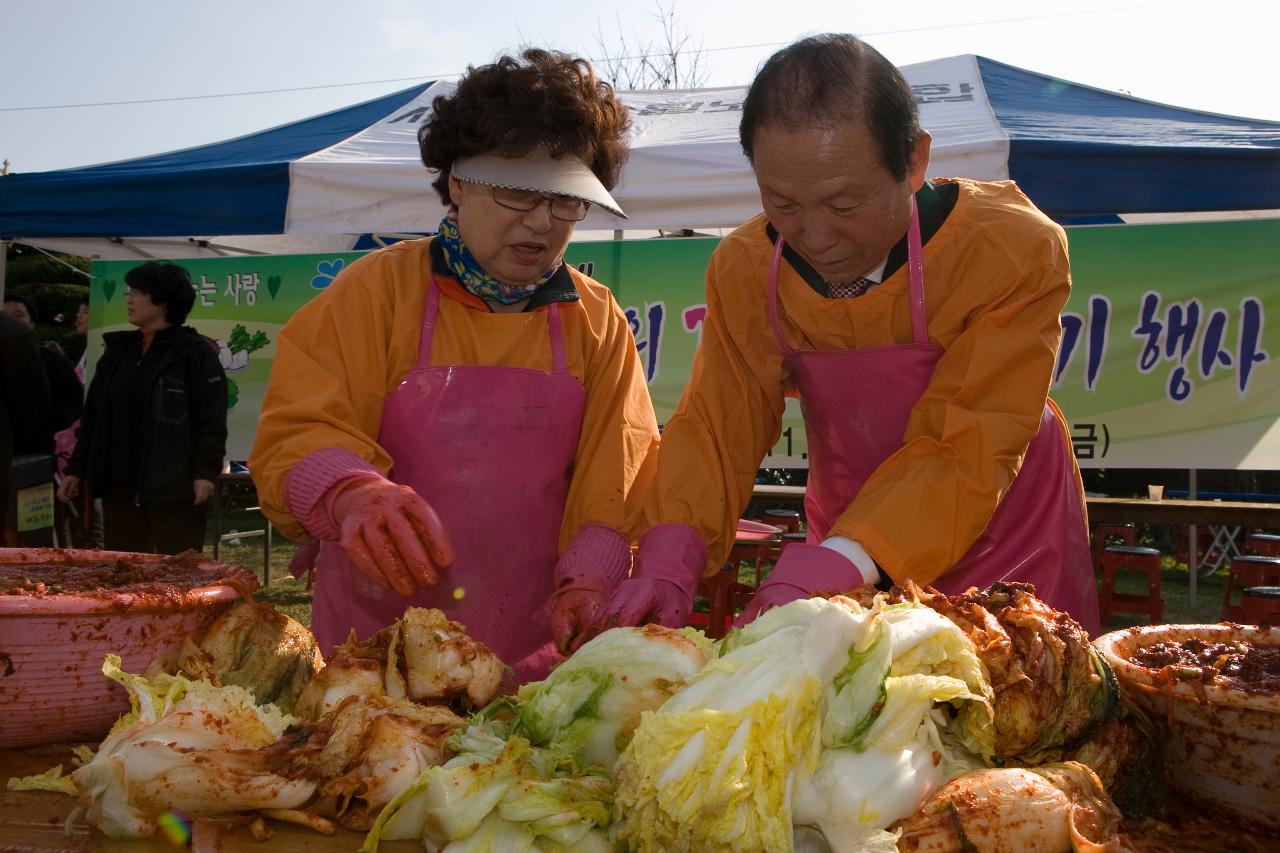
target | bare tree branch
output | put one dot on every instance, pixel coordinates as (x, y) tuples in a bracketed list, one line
[(676, 62)]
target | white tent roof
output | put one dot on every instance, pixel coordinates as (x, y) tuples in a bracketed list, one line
[(317, 185)]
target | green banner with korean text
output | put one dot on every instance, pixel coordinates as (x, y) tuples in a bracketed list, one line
[(1166, 361)]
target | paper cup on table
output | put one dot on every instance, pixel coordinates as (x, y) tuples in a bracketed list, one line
[(1155, 493)]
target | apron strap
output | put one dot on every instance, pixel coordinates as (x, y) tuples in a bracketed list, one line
[(772, 296), (555, 328), (915, 270), (559, 361), (428, 324)]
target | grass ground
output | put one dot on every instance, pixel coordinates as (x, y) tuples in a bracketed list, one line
[(284, 593), (292, 597), (1174, 587)]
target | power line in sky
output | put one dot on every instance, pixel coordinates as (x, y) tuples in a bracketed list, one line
[(224, 94), (425, 77)]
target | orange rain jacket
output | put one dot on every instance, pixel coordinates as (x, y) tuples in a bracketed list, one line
[(996, 279), (340, 357)]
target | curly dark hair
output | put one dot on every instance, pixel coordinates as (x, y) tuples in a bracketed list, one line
[(168, 285), (541, 98)]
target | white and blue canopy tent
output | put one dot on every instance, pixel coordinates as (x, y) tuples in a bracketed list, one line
[(1081, 154)]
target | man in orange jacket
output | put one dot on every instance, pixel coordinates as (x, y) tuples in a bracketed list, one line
[(918, 323)]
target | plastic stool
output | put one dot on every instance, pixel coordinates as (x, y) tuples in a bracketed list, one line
[(755, 543), (1248, 571), (720, 590), (1261, 605), (1263, 544), (1104, 533), (1134, 558), (788, 519), (1206, 550)]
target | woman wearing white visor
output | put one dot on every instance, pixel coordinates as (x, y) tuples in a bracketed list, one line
[(459, 421)]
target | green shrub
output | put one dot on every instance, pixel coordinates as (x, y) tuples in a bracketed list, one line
[(27, 267)]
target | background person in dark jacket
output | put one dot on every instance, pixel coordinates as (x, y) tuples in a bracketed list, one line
[(154, 429), (78, 527), (24, 396), (66, 394)]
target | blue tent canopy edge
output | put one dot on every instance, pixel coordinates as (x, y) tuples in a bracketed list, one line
[(1134, 156), (236, 187)]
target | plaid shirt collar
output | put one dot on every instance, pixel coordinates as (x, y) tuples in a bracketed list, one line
[(935, 202)]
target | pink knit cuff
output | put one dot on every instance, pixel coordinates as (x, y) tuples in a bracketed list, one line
[(312, 477), (599, 557)]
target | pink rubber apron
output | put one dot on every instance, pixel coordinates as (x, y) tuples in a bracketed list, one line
[(492, 450), (856, 405)]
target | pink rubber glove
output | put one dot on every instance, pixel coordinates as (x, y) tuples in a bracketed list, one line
[(669, 562), (803, 571), (589, 570), (389, 532)]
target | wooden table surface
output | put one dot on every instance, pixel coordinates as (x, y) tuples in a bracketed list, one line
[(1184, 512), (781, 494), (1136, 510), (33, 822)]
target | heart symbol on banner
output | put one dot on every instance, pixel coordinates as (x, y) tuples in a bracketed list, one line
[(109, 288), (273, 285)]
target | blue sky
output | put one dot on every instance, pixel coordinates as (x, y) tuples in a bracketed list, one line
[(1213, 55)]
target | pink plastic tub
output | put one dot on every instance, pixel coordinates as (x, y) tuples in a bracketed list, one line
[(1222, 745), (51, 647)]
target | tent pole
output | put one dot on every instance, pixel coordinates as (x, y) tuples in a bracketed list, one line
[(4, 256), (1193, 542)]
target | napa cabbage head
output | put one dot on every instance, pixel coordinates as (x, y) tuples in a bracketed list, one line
[(450, 801), (500, 791), (852, 797), (155, 698), (591, 703), (911, 657), (1053, 807), (712, 769), (185, 746), (256, 647)]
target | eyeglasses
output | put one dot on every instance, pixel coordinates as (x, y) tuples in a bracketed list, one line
[(563, 207)]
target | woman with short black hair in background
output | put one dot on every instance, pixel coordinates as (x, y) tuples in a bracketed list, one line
[(154, 430)]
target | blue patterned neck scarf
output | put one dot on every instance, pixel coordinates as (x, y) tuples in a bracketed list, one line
[(474, 277)]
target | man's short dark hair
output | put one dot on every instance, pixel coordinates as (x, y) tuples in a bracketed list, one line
[(830, 80), (24, 302), (168, 285)]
